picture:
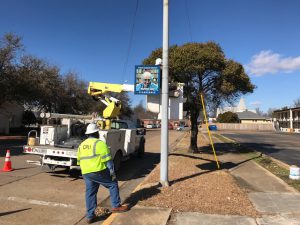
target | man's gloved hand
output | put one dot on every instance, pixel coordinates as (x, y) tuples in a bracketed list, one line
[(110, 166), (113, 176)]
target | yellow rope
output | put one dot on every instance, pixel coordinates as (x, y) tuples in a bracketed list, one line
[(206, 122)]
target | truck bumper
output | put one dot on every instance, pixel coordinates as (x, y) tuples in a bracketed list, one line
[(48, 160)]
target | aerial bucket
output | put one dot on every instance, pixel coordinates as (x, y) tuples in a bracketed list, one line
[(32, 140)]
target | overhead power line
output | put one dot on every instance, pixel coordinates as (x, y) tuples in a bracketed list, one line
[(188, 20), (130, 40)]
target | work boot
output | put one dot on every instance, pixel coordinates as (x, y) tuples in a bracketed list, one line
[(91, 220), (121, 208)]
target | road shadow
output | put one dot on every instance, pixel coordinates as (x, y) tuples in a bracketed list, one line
[(136, 167), (23, 168), (132, 168), (142, 194), (12, 212), (196, 156), (208, 166), (134, 197), (189, 177), (64, 173), (212, 165), (238, 148)]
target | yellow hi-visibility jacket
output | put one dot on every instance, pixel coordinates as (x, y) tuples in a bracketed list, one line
[(92, 155)]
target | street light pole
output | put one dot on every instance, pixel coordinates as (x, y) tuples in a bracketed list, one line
[(165, 98)]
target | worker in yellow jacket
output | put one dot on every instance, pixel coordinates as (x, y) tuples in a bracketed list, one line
[(97, 169)]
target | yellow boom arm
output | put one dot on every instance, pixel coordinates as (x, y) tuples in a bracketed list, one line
[(100, 90), (96, 88)]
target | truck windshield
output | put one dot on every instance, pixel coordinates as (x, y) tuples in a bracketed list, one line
[(119, 125)]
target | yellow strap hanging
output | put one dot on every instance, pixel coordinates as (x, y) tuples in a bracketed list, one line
[(208, 131)]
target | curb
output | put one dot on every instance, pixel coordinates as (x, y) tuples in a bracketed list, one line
[(112, 217), (228, 139), (177, 141), (280, 163), (278, 178), (283, 164)]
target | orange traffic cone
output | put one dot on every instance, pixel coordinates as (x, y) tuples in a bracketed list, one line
[(7, 163)]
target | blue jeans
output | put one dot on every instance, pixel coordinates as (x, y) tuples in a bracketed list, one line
[(92, 183)]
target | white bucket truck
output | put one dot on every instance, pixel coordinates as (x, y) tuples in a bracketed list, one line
[(59, 139)]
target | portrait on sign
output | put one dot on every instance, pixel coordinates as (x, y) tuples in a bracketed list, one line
[(147, 80)]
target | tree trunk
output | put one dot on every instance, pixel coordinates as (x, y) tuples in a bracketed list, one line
[(194, 131)]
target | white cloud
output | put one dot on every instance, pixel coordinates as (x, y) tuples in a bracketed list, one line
[(255, 103), (268, 62)]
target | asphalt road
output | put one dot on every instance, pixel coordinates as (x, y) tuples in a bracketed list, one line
[(29, 195), (282, 146)]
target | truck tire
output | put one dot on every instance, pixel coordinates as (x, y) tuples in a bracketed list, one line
[(117, 160), (48, 168), (141, 150), (74, 173)]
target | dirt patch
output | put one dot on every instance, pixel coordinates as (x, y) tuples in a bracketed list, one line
[(196, 186)]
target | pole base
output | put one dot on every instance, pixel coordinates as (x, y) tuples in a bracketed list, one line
[(165, 183)]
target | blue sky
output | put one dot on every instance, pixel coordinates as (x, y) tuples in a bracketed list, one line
[(92, 37)]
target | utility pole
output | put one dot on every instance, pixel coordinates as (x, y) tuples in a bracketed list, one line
[(165, 99)]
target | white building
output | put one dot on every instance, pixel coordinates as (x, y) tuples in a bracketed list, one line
[(176, 101), (241, 107), (287, 120)]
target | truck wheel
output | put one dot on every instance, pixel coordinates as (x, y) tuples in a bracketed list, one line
[(48, 168), (141, 150), (117, 160), (74, 173)]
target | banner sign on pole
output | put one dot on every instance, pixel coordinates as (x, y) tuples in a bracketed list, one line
[(147, 80)]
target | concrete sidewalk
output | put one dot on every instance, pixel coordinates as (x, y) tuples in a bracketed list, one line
[(278, 203), (139, 215)]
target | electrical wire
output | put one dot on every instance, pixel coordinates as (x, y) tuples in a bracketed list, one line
[(130, 40), (188, 20)]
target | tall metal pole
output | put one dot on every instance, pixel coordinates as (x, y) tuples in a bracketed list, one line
[(165, 98)]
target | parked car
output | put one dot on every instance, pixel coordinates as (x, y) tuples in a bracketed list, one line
[(154, 125), (180, 128), (149, 126), (212, 127), (170, 126)]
